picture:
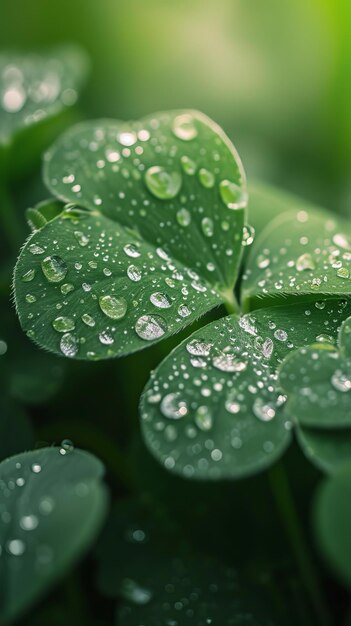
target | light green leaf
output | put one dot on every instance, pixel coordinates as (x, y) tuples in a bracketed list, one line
[(333, 522), (52, 504), (157, 244), (36, 87), (302, 252), (213, 409)]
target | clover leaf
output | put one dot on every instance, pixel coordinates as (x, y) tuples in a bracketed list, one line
[(152, 242), (317, 380), (213, 408), (301, 252), (52, 504), (35, 89)]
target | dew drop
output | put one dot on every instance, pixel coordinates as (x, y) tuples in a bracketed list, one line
[(248, 235), (82, 239), (183, 217), (203, 418), (28, 276), (150, 327), (131, 250), (88, 320), (184, 311), (263, 410), (228, 363), (184, 127), (69, 345), (134, 273), (34, 249), (199, 347), (188, 165), (341, 381), (305, 262), (63, 324), (173, 406), (162, 183), (66, 447), (206, 178), (160, 300), (29, 522), (16, 547), (113, 307), (54, 268), (207, 226), (233, 196)]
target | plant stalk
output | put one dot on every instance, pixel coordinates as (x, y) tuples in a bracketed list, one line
[(286, 507), (230, 302)]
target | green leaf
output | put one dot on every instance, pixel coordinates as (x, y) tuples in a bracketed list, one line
[(52, 504), (328, 449), (36, 87), (302, 252), (156, 242), (213, 409), (333, 521), (144, 560), (317, 380)]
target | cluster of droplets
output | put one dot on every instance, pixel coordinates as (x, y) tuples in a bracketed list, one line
[(32, 87), (312, 256), (102, 288)]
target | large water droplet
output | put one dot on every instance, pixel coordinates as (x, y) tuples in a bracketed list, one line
[(113, 307), (341, 381), (199, 347), (29, 522), (173, 406), (264, 411), (28, 276), (162, 183), (305, 262), (233, 196), (63, 324), (228, 363), (82, 239), (150, 327), (134, 273), (131, 250), (203, 418), (54, 268), (69, 345), (184, 127), (206, 178), (160, 300)]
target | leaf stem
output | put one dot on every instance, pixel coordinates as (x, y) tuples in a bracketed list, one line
[(10, 225), (230, 302), (286, 506)]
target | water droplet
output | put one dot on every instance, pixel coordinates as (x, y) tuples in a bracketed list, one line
[(106, 338), (66, 288), (262, 261), (281, 335), (34, 249), (341, 381), (233, 196), (305, 262), (134, 273), (113, 307), (16, 547), (231, 404), (82, 239), (199, 347), (88, 320), (203, 418), (36, 468), (30, 298), (343, 272), (29, 522), (160, 300), (228, 363), (69, 345), (54, 268), (28, 276), (161, 183), (66, 447), (184, 127), (127, 138), (264, 411), (267, 348), (131, 250), (173, 406), (132, 591), (188, 165), (150, 327), (63, 324), (207, 226), (206, 178), (183, 217), (183, 310), (341, 241), (248, 235)]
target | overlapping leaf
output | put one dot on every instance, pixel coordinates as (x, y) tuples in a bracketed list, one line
[(317, 380), (34, 88), (52, 504), (301, 252), (155, 243), (213, 408)]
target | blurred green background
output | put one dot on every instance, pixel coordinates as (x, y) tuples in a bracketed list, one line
[(274, 73)]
